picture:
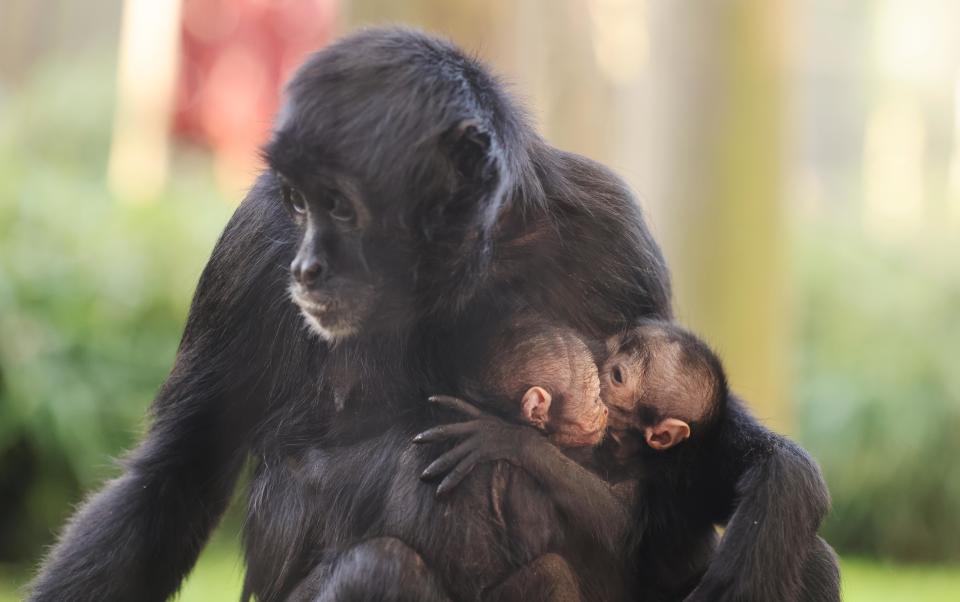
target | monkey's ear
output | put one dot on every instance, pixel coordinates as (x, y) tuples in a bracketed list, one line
[(477, 164), (666, 433), (470, 148), (535, 406)]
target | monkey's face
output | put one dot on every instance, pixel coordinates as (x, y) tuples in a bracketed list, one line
[(581, 419), (654, 390), (621, 386), (641, 361), (394, 194), (340, 269)]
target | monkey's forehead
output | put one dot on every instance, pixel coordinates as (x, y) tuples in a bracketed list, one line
[(383, 92)]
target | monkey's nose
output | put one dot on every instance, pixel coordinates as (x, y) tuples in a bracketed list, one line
[(308, 272)]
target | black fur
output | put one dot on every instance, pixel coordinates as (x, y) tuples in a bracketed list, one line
[(766, 491), (474, 215)]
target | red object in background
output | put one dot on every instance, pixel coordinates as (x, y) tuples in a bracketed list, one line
[(235, 57)]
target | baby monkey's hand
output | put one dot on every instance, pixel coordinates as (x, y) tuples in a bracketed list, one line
[(485, 438)]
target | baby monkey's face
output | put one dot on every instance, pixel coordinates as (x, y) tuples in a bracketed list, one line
[(567, 406), (621, 386), (639, 383), (582, 421)]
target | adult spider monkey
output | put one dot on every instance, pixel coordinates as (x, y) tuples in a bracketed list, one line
[(405, 195)]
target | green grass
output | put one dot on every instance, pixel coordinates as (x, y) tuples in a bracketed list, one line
[(218, 578), (868, 580)]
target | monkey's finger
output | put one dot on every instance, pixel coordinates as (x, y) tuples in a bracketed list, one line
[(456, 475), (444, 463), (446, 431), (456, 404)]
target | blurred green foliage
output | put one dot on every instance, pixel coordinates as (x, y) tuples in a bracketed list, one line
[(93, 294), (878, 388)]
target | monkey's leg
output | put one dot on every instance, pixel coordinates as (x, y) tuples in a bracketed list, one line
[(383, 569), (548, 578)]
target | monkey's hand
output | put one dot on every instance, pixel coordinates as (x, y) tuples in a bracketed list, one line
[(485, 438)]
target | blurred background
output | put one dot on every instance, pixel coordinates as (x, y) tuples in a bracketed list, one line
[(799, 161)]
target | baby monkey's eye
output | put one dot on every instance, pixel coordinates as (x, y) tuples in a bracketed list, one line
[(617, 374)]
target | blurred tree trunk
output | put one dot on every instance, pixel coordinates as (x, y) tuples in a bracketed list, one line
[(716, 166)]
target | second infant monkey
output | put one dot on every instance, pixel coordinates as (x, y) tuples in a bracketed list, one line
[(662, 385)]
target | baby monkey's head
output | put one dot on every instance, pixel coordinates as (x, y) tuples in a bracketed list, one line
[(662, 383), (545, 376)]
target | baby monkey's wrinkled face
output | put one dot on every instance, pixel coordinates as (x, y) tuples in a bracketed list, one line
[(568, 405), (621, 387), (565, 403), (582, 419), (622, 379), (657, 381)]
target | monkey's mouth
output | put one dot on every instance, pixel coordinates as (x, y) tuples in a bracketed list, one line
[(624, 443), (318, 308), (577, 436), (333, 314), (618, 420)]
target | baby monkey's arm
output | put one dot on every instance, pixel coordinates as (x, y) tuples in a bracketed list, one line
[(586, 499)]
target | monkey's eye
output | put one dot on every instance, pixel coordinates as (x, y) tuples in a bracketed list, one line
[(294, 200), (616, 373), (342, 211)]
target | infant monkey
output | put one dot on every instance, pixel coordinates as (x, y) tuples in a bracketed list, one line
[(662, 385)]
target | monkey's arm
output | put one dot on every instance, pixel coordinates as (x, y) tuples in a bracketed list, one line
[(772, 497), (139, 536), (589, 502)]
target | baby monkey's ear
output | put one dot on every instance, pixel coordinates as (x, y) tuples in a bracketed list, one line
[(535, 406), (666, 433)]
